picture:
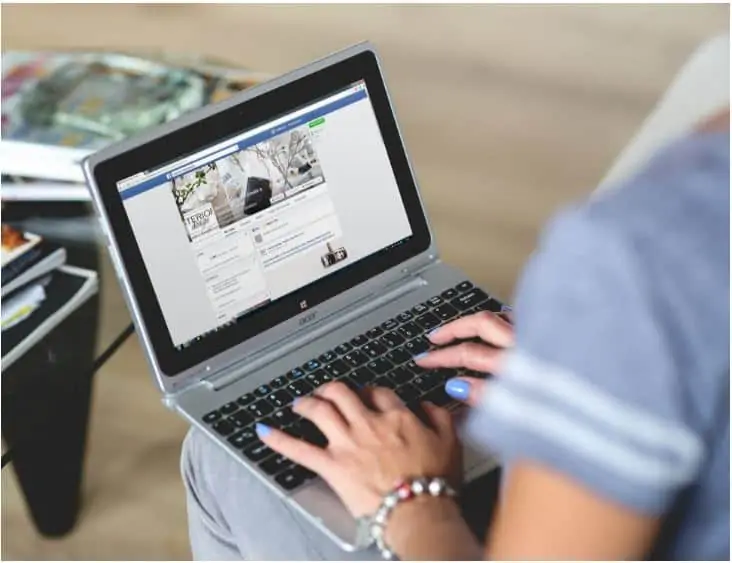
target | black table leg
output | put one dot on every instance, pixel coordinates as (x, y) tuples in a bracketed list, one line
[(46, 401)]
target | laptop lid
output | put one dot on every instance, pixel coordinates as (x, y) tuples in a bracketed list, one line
[(239, 224)]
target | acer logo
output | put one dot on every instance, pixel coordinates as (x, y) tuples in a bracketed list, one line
[(307, 318)]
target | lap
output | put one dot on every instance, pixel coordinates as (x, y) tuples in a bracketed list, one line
[(232, 515)]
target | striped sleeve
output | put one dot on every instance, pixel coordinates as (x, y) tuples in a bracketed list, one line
[(591, 389)]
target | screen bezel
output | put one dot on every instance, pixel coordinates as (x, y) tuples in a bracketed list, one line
[(227, 123)]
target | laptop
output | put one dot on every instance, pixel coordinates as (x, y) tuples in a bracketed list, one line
[(274, 242)]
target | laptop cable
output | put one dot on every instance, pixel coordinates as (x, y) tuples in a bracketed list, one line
[(7, 457)]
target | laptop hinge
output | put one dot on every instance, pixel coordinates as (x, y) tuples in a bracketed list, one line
[(328, 324)]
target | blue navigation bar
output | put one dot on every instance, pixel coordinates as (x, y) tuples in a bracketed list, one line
[(156, 181)]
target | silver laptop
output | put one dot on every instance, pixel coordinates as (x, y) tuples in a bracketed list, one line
[(271, 243)]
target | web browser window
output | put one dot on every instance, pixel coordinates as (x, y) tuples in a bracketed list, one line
[(241, 224)]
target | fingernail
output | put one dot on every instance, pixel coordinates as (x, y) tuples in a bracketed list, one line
[(420, 356), (262, 429), (458, 389), (295, 401), (433, 332)]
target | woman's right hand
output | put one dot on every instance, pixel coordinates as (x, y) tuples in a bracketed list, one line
[(484, 339)]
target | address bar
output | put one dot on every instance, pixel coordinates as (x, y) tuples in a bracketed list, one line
[(204, 160)]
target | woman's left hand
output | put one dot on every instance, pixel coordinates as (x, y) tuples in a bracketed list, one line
[(373, 443)]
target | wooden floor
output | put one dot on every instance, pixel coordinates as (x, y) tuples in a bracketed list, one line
[(508, 112)]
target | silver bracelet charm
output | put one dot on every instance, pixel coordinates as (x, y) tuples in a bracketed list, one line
[(405, 491)]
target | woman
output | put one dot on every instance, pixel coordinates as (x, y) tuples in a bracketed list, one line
[(610, 405)]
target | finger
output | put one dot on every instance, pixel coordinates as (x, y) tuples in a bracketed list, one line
[(348, 403), (440, 419), (323, 414), (469, 355), (309, 456), (484, 325), (467, 389), (382, 399)]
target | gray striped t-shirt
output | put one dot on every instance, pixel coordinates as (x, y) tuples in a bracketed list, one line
[(620, 375)]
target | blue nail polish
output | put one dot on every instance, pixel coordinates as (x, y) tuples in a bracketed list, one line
[(458, 389), (420, 356), (262, 429), (295, 401), (433, 332)]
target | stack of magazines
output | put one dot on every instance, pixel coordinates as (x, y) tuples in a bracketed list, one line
[(28, 260), (57, 108)]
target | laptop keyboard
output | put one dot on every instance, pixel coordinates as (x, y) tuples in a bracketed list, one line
[(380, 357)]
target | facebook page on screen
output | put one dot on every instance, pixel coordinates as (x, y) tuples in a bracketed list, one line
[(238, 225)]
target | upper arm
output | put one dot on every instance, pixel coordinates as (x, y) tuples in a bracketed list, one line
[(545, 514), (588, 411)]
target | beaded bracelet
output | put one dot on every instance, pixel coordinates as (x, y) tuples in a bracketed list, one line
[(404, 491)]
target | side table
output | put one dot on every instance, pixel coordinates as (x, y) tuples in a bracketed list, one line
[(46, 394)]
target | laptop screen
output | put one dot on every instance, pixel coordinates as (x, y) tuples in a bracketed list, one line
[(238, 225)]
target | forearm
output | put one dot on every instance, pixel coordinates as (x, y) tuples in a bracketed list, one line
[(431, 528)]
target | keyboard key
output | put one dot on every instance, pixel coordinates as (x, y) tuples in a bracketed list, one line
[(276, 464), (391, 324), (492, 305), (420, 309), (280, 381), (229, 408), (434, 301), (362, 376), (424, 382), (299, 388), (327, 357), (315, 379), (290, 479), (312, 365), (464, 286), (360, 340), (428, 321), (344, 348), (243, 438), (469, 299), (404, 317), (244, 400), (283, 418), (417, 346), (409, 330), (449, 294), (445, 312), (351, 382), (213, 416), (380, 366), (224, 427), (407, 392), (373, 349), (356, 358), (257, 451), (260, 408), (401, 375), (296, 373), (280, 398), (262, 391), (398, 356), (438, 396), (414, 368), (374, 332), (311, 433), (242, 418), (384, 381), (337, 368), (392, 339)]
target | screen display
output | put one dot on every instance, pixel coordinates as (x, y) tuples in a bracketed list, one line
[(238, 225)]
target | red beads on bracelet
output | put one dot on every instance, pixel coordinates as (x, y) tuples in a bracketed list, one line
[(404, 491)]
